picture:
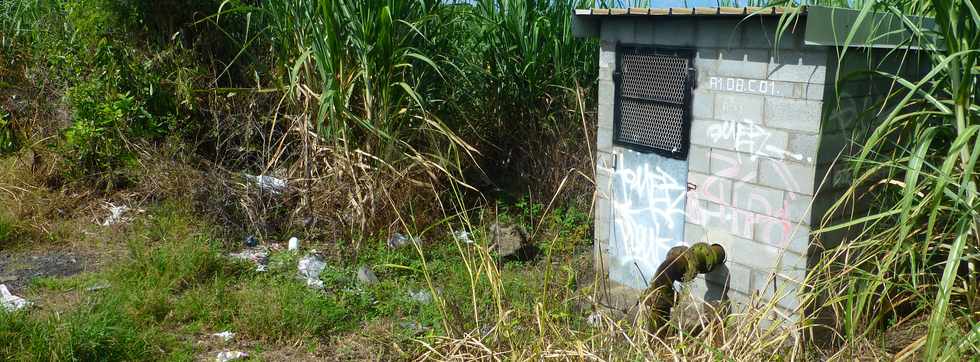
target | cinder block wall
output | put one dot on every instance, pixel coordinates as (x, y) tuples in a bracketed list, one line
[(757, 154)]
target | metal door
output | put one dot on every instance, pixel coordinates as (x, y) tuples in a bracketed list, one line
[(652, 135)]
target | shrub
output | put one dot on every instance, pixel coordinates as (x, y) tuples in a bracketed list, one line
[(94, 145)]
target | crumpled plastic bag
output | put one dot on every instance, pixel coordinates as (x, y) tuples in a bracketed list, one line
[(227, 356), (257, 255), (10, 302), (117, 214), (464, 236), (268, 183), (397, 240), (310, 267), (225, 336)]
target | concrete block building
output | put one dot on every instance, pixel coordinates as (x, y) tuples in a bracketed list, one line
[(716, 126)]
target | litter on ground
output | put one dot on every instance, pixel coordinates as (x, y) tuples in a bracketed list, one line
[(310, 267), (257, 255), (227, 356), (11, 302), (397, 240), (463, 236), (117, 214), (225, 336), (268, 183)]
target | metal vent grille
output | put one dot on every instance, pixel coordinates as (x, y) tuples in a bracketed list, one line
[(654, 77), (653, 100)]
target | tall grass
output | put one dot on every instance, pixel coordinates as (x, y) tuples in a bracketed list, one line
[(391, 76), (917, 250), (362, 62)]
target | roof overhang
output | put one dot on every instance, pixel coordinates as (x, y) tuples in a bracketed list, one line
[(825, 26)]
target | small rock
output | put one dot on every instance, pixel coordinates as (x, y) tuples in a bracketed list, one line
[(7, 278), (227, 356), (507, 239), (365, 276)]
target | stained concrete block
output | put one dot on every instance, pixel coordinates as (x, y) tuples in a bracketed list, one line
[(743, 63), (600, 256), (782, 233), (602, 230), (607, 94), (739, 277), (746, 252), (758, 140), (710, 187), (693, 233), (774, 287), (759, 199), (703, 103), (739, 107), (786, 175), (693, 210), (698, 159), (799, 66), (605, 161), (713, 133), (604, 180), (603, 210), (749, 86), (803, 147), (604, 138), (734, 165), (727, 281), (793, 114), (766, 258), (813, 91), (607, 59), (726, 221), (798, 207)]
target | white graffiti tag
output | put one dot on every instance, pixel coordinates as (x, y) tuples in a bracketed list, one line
[(659, 195), (648, 217), (750, 137)]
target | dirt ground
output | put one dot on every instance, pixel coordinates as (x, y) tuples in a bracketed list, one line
[(17, 270)]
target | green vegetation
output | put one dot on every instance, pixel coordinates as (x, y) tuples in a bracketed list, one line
[(917, 253), (6, 229), (392, 116)]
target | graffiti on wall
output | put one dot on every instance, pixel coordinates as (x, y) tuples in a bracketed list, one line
[(650, 193), (712, 203), (750, 137)]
